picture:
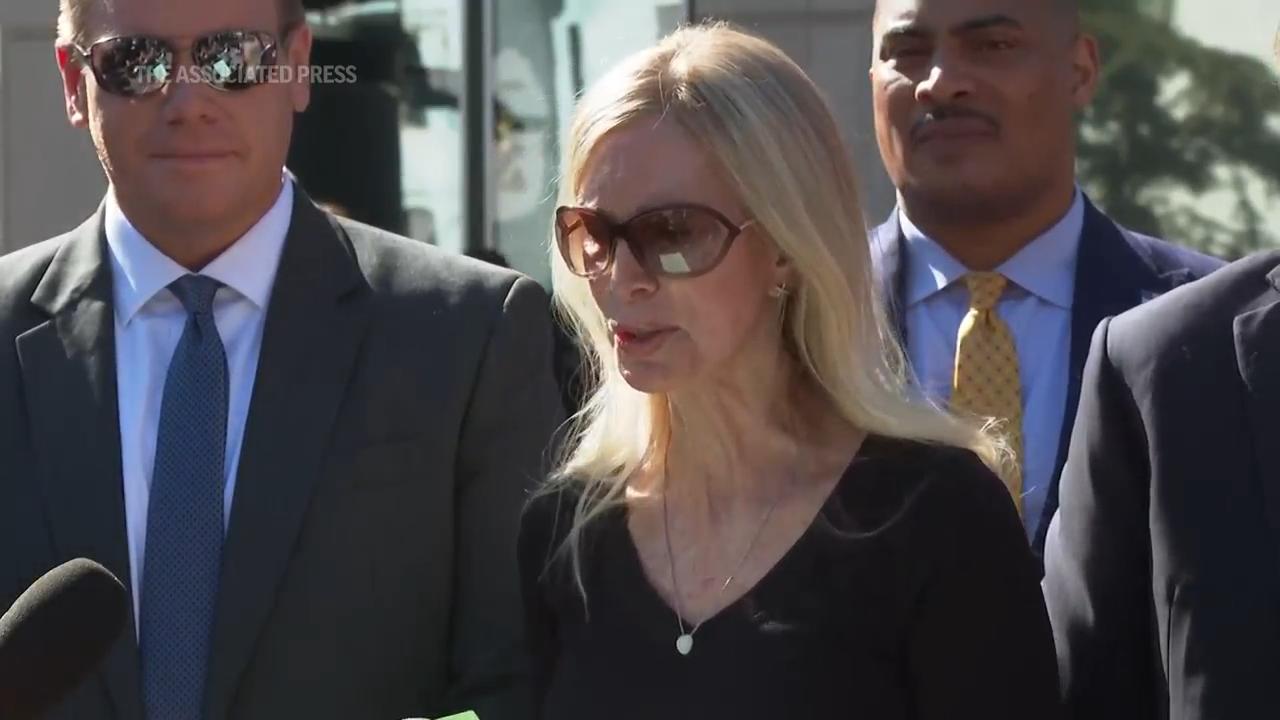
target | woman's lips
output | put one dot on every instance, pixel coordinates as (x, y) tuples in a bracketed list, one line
[(640, 342)]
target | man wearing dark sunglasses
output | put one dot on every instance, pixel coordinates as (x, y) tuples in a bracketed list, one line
[(997, 265), (302, 443)]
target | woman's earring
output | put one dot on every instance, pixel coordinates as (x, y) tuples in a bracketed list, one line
[(779, 291)]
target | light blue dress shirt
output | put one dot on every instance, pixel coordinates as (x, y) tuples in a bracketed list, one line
[(1037, 308), (149, 321)]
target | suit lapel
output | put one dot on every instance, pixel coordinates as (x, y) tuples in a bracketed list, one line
[(1111, 277), (1257, 338), (69, 377), (889, 260), (315, 323)]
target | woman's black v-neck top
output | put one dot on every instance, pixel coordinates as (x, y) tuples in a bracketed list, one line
[(912, 595)]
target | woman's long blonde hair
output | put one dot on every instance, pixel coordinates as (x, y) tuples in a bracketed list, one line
[(773, 137)]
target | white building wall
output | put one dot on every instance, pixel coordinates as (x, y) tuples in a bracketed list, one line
[(831, 40), (49, 177)]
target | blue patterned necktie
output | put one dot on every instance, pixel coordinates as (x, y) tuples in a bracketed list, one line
[(184, 518)]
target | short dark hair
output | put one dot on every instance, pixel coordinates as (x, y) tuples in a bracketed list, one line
[(73, 18), (1070, 8)]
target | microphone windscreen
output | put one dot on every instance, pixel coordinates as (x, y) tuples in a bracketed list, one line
[(55, 634)]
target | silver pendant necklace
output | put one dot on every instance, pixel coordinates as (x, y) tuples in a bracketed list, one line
[(684, 641)]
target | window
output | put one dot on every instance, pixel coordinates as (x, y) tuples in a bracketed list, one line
[(391, 149), (545, 53)]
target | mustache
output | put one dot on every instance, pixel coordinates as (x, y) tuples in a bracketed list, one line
[(950, 112)]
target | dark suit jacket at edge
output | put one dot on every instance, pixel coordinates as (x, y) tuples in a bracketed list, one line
[(1163, 564)]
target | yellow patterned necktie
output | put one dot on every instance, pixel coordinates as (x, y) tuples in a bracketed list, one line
[(986, 380)]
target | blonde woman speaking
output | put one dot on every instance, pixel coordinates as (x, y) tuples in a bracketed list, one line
[(753, 518)]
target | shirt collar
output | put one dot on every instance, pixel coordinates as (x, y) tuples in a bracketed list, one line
[(248, 267), (1046, 267)]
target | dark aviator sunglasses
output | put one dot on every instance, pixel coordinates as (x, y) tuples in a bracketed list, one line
[(139, 65)]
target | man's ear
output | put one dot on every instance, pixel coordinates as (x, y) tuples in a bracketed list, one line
[(74, 81), (298, 56), (1087, 65)]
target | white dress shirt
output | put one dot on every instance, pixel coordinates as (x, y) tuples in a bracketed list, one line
[(149, 321), (1037, 308)]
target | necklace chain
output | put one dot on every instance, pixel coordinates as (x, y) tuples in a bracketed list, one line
[(671, 560)]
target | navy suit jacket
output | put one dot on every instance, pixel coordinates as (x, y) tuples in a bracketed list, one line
[(1116, 269), (1162, 577)]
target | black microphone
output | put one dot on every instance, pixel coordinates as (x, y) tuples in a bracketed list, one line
[(56, 634)]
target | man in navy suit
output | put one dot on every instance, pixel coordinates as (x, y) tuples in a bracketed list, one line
[(975, 104), (1161, 578)]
